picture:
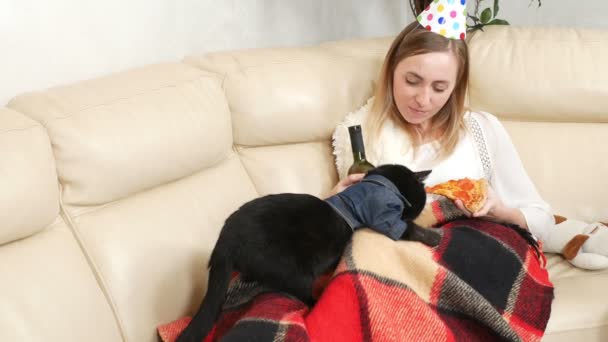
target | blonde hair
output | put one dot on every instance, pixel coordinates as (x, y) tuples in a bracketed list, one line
[(415, 40)]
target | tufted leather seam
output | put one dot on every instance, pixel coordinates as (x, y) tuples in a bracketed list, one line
[(94, 269), (24, 238), (96, 208), (243, 68), (51, 98), (249, 147), (237, 150), (7, 131)]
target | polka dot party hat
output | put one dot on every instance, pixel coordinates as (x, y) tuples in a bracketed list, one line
[(446, 17)]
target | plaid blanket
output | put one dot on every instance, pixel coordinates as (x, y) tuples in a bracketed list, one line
[(483, 282)]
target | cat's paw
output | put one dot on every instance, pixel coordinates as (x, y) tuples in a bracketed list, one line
[(431, 236), (428, 236)]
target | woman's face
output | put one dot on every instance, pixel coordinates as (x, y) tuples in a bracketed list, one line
[(422, 84)]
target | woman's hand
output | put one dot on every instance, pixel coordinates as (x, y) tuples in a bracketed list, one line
[(346, 182), (491, 206), (495, 210)]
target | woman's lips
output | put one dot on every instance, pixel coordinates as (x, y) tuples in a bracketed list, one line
[(417, 111)]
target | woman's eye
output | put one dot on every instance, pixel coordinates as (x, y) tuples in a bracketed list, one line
[(411, 82), (439, 90)]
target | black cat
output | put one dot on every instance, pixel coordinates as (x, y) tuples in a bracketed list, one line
[(286, 241)]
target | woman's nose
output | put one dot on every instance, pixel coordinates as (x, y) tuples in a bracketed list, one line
[(423, 98)]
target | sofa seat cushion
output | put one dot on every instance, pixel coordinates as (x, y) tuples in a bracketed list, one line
[(49, 292), (580, 301)]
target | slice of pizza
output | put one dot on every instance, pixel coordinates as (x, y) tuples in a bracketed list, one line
[(472, 192)]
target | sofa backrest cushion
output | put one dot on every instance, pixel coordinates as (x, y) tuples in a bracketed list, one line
[(122, 134), (540, 74), (285, 105), (28, 181)]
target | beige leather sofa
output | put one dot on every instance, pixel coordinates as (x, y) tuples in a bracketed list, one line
[(113, 190)]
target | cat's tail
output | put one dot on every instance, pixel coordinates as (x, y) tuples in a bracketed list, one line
[(526, 235), (203, 321)]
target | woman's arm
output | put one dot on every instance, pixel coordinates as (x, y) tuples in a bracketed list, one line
[(513, 197)]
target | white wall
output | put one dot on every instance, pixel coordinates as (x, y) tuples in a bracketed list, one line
[(576, 13), (52, 42)]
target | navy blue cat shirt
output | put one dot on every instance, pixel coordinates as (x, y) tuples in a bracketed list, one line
[(375, 203)]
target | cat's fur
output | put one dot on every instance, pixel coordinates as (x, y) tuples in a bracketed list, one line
[(286, 241)]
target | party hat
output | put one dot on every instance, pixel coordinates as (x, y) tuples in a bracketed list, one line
[(446, 17)]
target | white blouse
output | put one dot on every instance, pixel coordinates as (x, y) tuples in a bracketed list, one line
[(499, 163)]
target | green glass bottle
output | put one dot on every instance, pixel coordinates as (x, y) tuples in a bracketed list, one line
[(360, 164)]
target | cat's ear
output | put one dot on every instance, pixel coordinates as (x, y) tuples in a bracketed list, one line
[(421, 175)]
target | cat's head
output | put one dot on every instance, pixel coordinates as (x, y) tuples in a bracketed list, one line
[(409, 183)]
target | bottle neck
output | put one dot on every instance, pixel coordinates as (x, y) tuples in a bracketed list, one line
[(356, 142), (358, 156)]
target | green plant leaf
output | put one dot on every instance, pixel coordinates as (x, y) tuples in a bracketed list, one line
[(486, 15), (498, 22), (495, 8)]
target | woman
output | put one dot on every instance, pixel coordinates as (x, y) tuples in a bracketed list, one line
[(417, 118)]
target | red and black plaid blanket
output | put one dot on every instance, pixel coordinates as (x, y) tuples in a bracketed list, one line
[(482, 283)]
